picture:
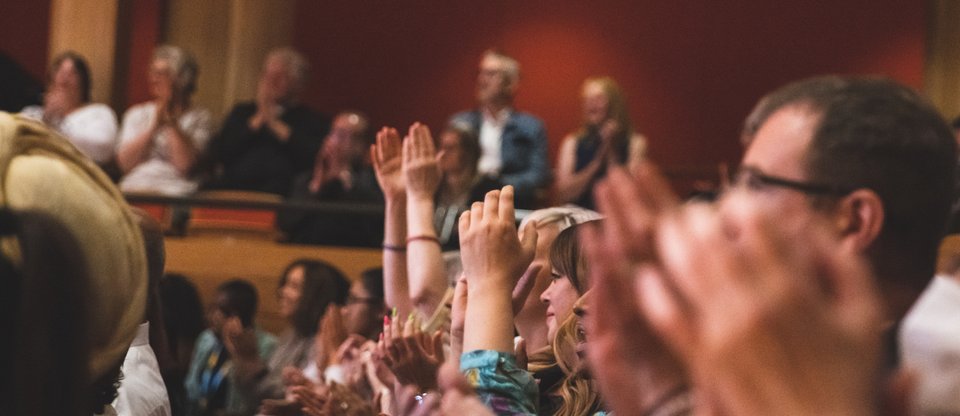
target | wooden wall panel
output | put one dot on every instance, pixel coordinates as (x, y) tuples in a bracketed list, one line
[(209, 260), (89, 28), (942, 65)]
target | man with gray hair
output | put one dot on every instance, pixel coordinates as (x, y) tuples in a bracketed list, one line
[(513, 144), (264, 144)]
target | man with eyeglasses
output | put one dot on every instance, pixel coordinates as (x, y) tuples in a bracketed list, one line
[(835, 170)]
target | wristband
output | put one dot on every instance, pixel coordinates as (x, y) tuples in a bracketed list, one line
[(423, 238)]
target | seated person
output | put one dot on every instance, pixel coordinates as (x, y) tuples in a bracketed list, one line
[(460, 182), (264, 144), (91, 127), (606, 137), (208, 379), (341, 173), (160, 139), (513, 144), (307, 288)]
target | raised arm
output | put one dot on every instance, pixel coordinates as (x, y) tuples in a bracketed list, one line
[(387, 164), (425, 269), (494, 258)]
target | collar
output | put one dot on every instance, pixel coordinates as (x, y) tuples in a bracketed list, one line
[(143, 335), (500, 117)]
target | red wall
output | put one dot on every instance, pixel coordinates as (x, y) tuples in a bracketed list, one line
[(691, 70), (25, 34)]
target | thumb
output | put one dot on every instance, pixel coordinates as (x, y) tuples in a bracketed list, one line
[(524, 286), (528, 240), (438, 345)]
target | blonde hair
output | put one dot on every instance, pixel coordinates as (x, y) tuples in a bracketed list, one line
[(578, 394)]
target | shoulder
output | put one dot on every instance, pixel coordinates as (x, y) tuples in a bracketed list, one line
[(527, 122), (526, 118), (95, 110), (466, 116), (140, 109)]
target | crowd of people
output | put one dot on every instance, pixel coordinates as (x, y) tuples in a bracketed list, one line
[(808, 287)]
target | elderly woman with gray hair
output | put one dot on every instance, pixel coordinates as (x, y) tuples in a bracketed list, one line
[(160, 139)]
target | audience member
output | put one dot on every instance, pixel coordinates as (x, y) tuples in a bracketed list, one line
[(183, 323), (531, 320), (460, 182), (45, 174), (606, 138), (208, 382), (307, 289), (513, 144), (161, 139), (838, 153), (263, 145), (341, 173), (91, 127)]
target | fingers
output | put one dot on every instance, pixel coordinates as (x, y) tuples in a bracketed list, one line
[(438, 345), (506, 210), (464, 224), (423, 141), (476, 214), (656, 188), (528, 243), (491, 204)]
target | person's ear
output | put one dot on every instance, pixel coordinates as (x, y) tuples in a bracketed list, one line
[(859, 217)]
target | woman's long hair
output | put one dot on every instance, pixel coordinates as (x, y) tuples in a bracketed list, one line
[(323, 284), (578, 394)]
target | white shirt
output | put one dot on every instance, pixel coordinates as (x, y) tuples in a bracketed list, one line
[(141, 392), (157, 174), (91, 128), (930, 346), (491, 140)]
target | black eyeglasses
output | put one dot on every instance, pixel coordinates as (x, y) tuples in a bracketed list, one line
[(753, 178)]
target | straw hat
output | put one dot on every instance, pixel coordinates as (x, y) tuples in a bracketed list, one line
[(41, 171)]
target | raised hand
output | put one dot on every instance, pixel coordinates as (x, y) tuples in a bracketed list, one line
[(412, 355), (420, 166), (330, 336), (769, 317), (491, 252), (240, 342), (494, 259), (387, 163)]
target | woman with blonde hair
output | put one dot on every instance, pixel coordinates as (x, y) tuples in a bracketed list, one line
[(606, 137)]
